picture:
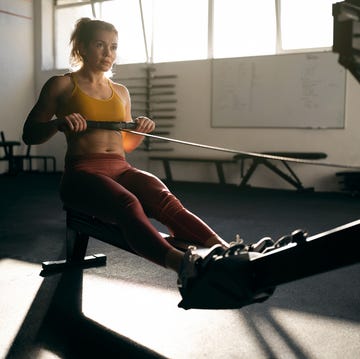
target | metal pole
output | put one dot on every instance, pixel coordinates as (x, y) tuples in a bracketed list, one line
[(144, 32)]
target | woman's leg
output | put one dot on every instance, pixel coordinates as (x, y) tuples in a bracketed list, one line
[(159, 203), (102, 197)]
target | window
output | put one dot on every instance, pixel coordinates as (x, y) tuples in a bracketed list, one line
[(65, 19), (172, 31), (243, 28), (128, 24), (126, 16), (306, 24), (178, 30)]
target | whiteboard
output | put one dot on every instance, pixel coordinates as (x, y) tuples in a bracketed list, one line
[(304, 90)]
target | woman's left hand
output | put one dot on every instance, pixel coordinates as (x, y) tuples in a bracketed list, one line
[(144, 124)]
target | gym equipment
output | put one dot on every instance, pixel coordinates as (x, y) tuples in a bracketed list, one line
[(246, 153), (231, 278), (79, 227), (216, 278), (243, 275), (130, 126), (109, 125), (346, 41)]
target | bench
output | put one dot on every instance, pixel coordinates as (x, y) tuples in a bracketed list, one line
[(218, 162), (289, 176), (16, 162), (350, 181)]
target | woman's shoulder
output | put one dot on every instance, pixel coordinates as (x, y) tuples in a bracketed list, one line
[(59, 81), (118, 86), (120, 89), (58, 84)]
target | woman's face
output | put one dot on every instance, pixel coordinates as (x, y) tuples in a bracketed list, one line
[(100, 54)]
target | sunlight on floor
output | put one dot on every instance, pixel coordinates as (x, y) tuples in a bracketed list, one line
[(150, 316), (19, 284), (336, 337)]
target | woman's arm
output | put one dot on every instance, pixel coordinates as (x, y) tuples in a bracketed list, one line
[(39, 125), (144, 124)]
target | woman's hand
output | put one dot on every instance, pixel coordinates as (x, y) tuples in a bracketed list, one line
[(72, 123), (144, 124)]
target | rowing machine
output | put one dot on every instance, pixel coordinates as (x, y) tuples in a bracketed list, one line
[(243, 275), (226, 279)]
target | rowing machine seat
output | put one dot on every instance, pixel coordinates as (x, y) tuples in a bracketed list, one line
[(79, 228)]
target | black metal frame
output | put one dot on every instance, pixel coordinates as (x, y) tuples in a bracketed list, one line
[(16, 162), (254, 274), (323, 252), (289, 176), (346, 42), (245, 275)]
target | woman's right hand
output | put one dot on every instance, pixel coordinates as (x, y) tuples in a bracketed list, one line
[(72, 123)]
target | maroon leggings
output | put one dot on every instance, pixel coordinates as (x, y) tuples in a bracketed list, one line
[(108, 187)]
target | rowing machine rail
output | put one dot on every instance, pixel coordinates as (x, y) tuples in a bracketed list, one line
[(244, 275)]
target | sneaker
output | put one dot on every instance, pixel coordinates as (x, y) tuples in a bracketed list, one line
[(194, 263)]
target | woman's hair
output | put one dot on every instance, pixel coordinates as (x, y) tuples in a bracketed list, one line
[(84, 33)]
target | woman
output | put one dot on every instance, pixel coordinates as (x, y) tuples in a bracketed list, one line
[(97, 179)]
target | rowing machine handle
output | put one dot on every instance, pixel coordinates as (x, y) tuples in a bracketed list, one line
[(109, 125)]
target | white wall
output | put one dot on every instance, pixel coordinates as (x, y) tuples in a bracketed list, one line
[(193, 123), (16, 67)]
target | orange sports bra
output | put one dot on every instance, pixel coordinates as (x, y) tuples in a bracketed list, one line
[(111, 109)]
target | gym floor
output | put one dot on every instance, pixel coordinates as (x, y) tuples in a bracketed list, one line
[(128, 308)]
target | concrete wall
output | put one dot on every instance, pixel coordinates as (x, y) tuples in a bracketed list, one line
[(16, 67)]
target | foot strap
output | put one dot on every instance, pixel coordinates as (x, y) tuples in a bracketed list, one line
[(220, 280)]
